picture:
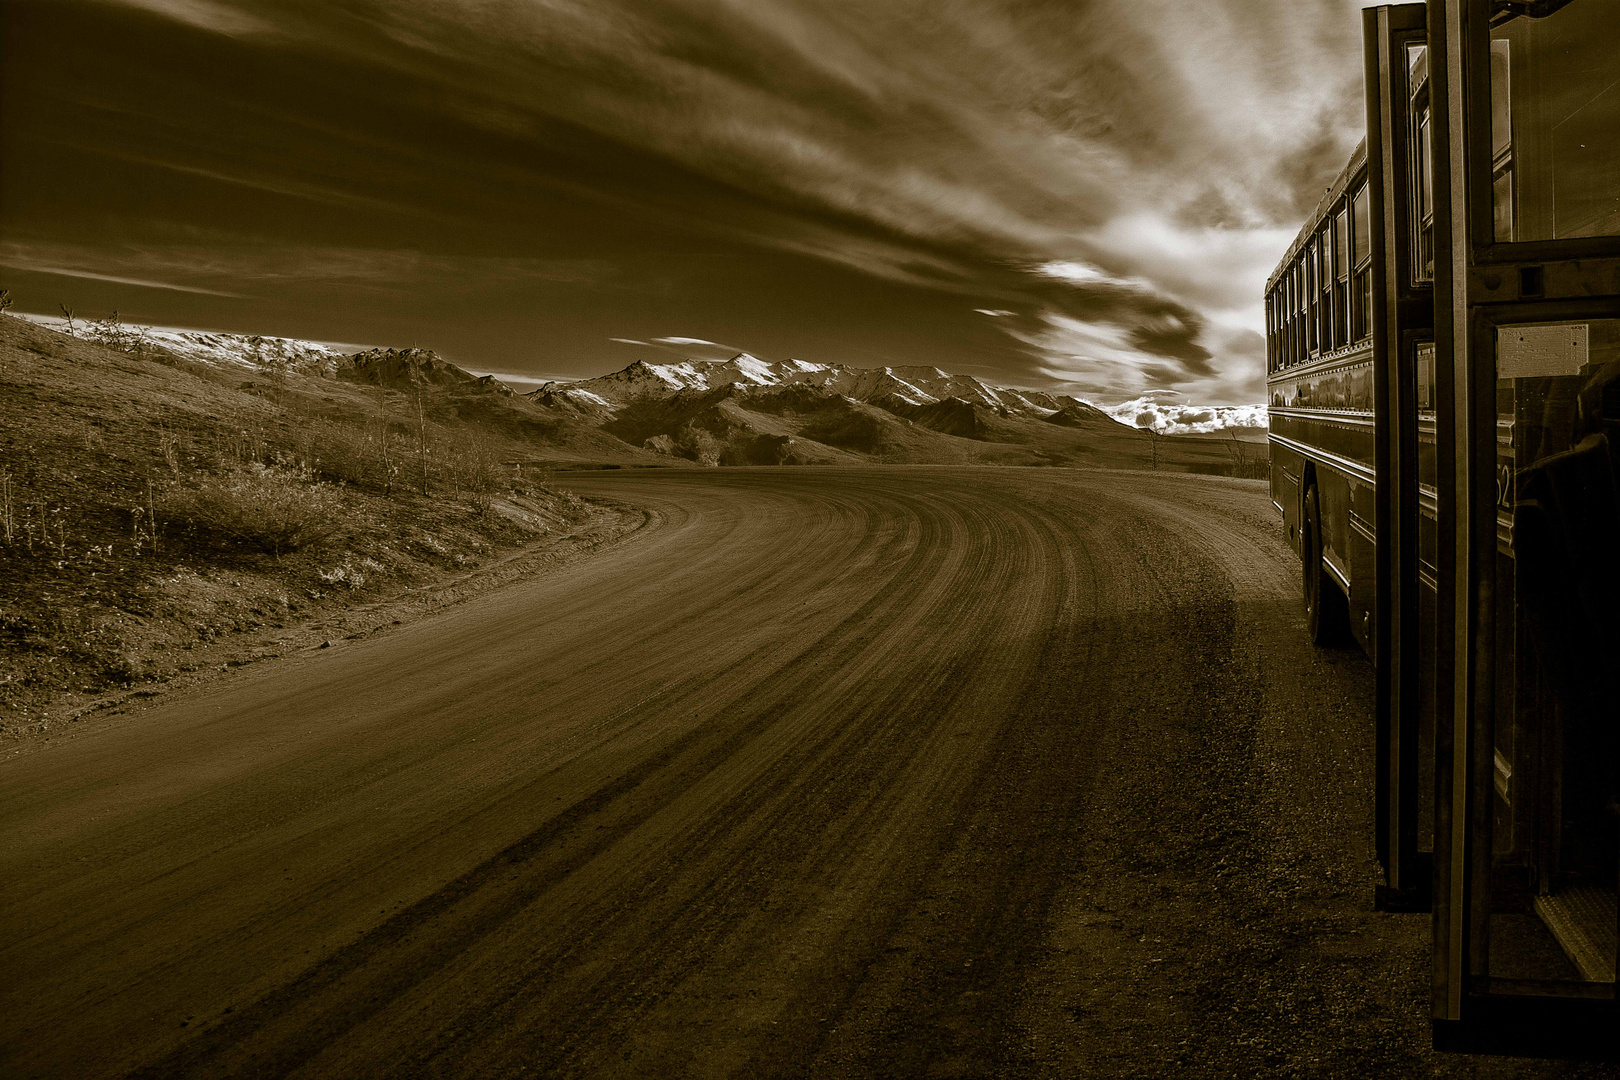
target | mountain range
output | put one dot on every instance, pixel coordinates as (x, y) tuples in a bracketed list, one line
[(741, 411)]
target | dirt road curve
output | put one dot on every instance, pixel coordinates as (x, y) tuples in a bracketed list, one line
[(877, 773)]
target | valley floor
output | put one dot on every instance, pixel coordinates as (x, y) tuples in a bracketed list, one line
[(880, 772)]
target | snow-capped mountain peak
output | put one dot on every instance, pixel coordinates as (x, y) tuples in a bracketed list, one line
[(912, 384)]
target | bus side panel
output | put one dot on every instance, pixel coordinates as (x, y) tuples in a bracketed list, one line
[(1286, 468), (1363, 561), (1333, 497), (1347, 542)]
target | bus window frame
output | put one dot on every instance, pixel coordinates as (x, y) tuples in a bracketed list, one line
[(1341, 273), (1419, 178), (1401, 314), (1360, 267), (1325, 280), (1313, 318), (1484, 248)]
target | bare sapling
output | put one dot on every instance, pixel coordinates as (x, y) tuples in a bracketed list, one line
[(146, 514), (8, 508), (109, 331), (385, 443), (5, 301), (483, 472), (421, 441), (169, 449), (455, 466), (1235, 448)]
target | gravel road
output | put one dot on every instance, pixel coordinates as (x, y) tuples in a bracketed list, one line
[(881, 773)]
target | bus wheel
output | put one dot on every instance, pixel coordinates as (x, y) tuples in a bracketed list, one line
[(1326, 612)]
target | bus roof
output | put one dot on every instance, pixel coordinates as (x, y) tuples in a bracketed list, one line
[(1358, 161)]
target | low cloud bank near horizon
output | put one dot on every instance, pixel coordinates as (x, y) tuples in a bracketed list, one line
[(1186, 418), (1080, 198)]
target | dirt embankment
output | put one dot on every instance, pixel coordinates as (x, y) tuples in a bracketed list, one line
[(162, 519)]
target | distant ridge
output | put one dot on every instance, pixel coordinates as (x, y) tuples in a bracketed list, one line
[(740, 411), (909, 385)]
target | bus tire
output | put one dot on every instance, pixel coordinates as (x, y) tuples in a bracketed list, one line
[(1326, 611)]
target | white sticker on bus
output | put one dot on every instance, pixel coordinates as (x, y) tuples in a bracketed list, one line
[(1524, 352)]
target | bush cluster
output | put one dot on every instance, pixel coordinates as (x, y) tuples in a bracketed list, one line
[(265, 506)]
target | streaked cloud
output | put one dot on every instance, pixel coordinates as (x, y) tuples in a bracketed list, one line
[(88, 275), (1080, 273), (268, 265), (220, 18), (1081, 196), (690, 348)]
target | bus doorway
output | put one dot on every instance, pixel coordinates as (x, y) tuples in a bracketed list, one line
[(1527, 418)]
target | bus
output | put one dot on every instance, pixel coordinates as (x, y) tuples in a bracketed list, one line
[(1443, 352), (1320, 399)]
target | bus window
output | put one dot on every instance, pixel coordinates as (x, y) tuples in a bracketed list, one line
[(1361, 266), (1278, 325), (1555, 124), (1557, 746), (1299, 312), (1271, 338), (1501, 143), (1313, 337), (1341, 278), (1324, 285), (1293, 314), (1421, 166), (1290, 320), (1288, 317)]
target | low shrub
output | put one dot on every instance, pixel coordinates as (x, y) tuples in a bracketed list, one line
[(360, 457), (264, 506)]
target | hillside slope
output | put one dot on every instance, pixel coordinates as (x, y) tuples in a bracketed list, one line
[(154, 507)]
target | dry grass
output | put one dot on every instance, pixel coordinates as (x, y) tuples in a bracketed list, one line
[(151, 505), (260, 506)]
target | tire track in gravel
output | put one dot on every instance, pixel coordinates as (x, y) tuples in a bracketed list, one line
[(800, 782)]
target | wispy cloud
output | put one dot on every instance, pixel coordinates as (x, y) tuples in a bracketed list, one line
[(18, 257), (1121, 173), (690, 348), (269, 265), (1080, 273), (217, 17)]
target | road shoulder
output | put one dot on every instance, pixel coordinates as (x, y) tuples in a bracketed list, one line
[(68, 715)]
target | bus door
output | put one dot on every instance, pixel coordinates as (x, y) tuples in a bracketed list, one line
[(1527, 347), (1398, 170)]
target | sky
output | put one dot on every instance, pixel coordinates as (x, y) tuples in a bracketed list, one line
[(1080, 196)]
